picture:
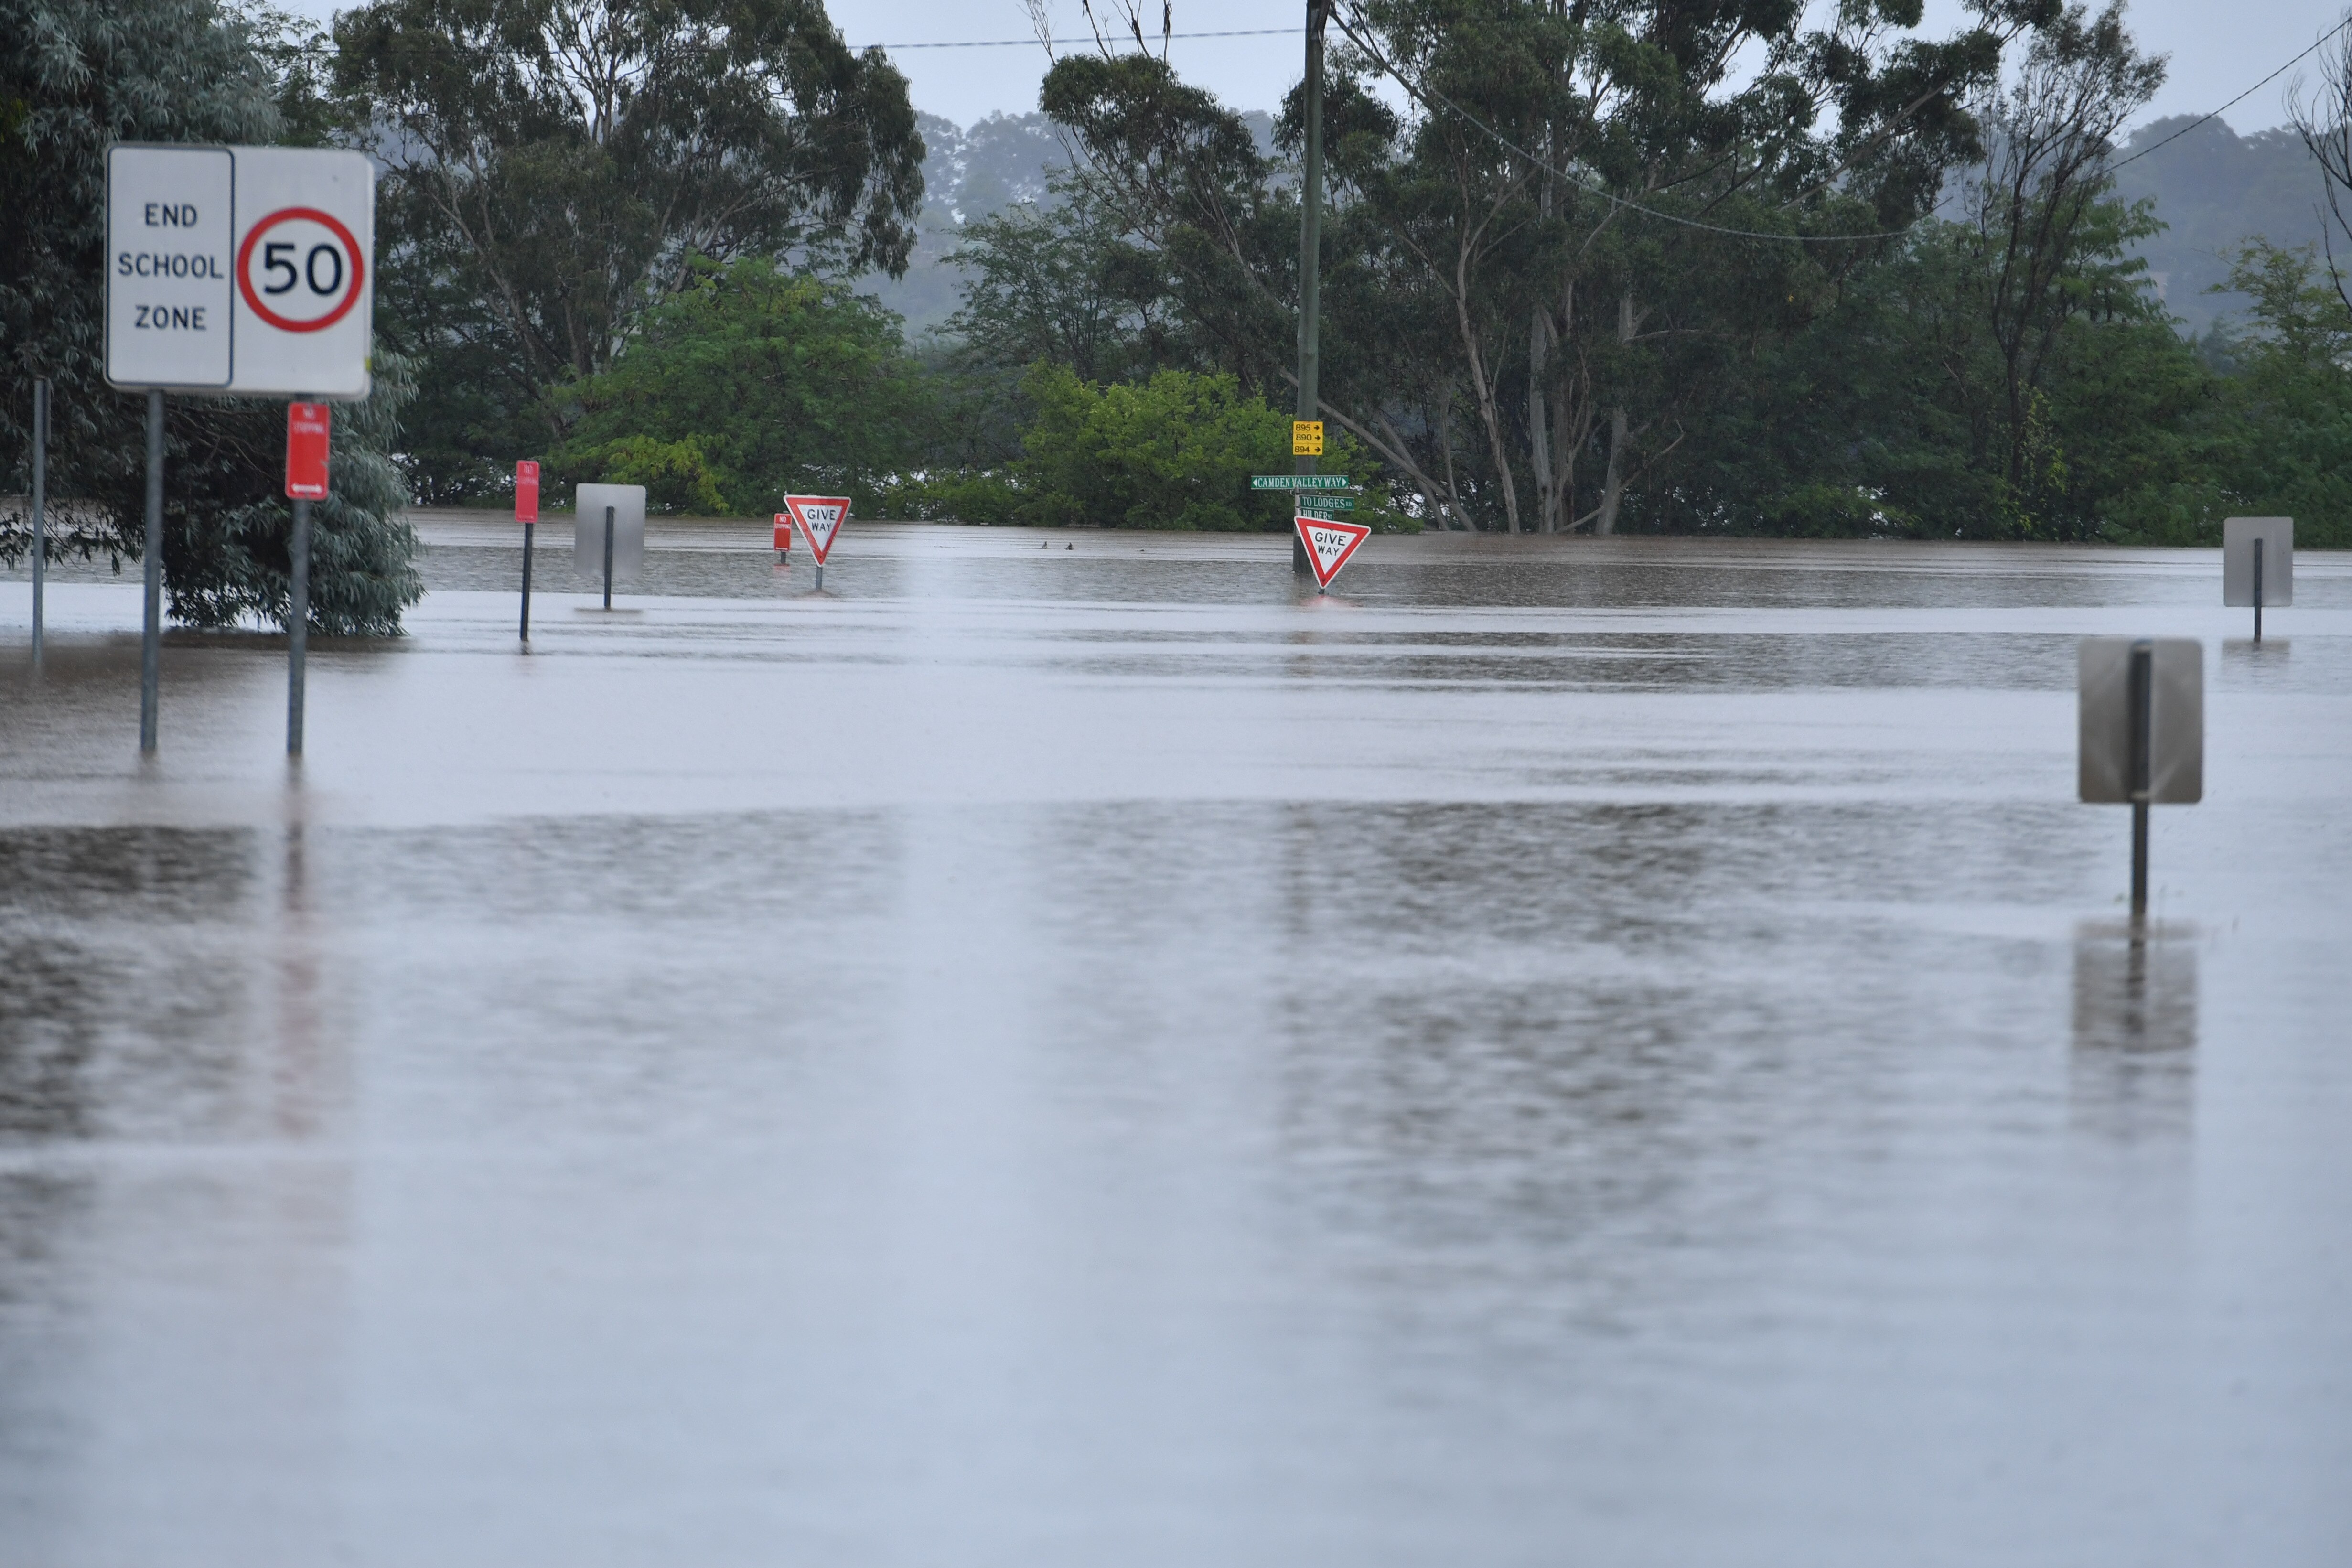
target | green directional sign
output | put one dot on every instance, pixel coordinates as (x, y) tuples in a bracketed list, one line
[(1319, 505), (1298, 482)]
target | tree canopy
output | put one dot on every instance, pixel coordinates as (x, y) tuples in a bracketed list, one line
[(554, 169)]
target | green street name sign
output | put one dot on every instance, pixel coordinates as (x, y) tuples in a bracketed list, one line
[(1316, 506), (1298, 482)]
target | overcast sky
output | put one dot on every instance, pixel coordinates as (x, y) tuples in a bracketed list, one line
[(2217, 49)]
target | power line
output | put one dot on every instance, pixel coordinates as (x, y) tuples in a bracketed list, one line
[(1015, 43), (2242, 97), (1427, 93)]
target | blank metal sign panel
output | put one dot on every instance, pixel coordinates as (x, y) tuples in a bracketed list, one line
[(2238, 536), (2176, 754), (628, 504)]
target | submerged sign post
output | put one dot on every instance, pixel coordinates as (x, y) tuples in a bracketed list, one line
[(527, 514), (2142, 721), (1326, 542), (234, 271), (820, 519), (308, 431), (2258, 564), (608, 524)]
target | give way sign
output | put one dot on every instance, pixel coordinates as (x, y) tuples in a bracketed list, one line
[(1328, 546), (820, 519)]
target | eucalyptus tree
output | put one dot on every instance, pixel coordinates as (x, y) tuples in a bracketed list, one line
[(2052, 134), (2324, 124), (553, 168), (1531, 273)]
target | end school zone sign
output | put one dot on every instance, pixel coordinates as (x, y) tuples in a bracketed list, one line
[(239, 269)]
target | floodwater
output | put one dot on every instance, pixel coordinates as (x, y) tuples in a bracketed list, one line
[(1620, 1053)]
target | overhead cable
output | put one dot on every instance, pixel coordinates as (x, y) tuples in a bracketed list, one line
[(1432, 99), (2242, 97), (1012, 43)]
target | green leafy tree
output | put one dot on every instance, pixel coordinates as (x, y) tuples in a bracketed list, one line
[(2287, 411), (1061, 282), (1516, 322), (553, 168), (1174, 451), (76, 75), (750, 382)]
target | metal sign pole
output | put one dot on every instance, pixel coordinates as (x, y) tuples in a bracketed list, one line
[(2258, 587), (528, 529), (151, 644), (608, 557), (2142, 698), (1310, 250), (298, 626), (40, 504)]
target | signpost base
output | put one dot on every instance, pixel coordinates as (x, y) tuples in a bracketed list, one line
[(40, 505), (528, 529), (608, 557), (151, 636), (2258, 590), (2140, 862), (2142, 697), (297, 625)]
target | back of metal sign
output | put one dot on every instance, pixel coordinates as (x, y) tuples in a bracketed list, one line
[(628, 504), (2238, 536), (2176, 752)]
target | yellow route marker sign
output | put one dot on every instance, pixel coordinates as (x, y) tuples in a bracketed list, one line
[(1306, 437)]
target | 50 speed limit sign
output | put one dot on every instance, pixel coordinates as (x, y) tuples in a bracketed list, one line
[(240, 270)]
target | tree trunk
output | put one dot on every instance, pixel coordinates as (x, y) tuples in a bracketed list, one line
[(1612, 488), (1538, 433)]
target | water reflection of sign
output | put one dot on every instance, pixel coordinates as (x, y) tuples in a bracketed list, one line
[(820, 519), (1328, 544)]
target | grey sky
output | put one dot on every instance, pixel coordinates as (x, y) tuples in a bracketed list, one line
[(2218, 51)]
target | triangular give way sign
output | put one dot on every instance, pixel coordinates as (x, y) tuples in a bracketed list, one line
[(1328, 544), (820, 519)]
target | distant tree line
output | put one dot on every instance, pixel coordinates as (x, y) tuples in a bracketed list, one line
[(1664, 266)]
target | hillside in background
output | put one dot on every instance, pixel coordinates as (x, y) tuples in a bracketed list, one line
[(967, 175), (2213, 188), (970, 174)]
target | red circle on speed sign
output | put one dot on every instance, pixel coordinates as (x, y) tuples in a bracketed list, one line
[(347, 266)]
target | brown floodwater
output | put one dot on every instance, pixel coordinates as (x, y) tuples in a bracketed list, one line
[(1063, 1049)]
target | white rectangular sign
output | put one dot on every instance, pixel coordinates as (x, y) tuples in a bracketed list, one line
[(169, 239), (628, 504), (2170, 693), (2238, 536), (271, 248)]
